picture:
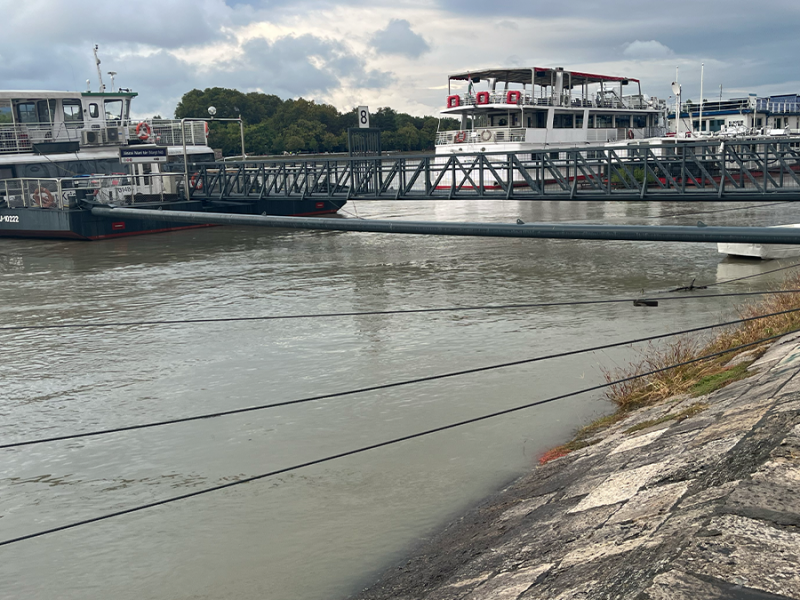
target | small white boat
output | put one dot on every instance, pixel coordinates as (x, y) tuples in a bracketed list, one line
[(763, 251)]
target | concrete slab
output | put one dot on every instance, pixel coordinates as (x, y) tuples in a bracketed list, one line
[(747, 552), (638, 441), (650, 503), (508, 586), (619, 487)]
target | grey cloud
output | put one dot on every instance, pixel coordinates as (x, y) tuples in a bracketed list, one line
[(298, 65), (399, 38), (173, 24)]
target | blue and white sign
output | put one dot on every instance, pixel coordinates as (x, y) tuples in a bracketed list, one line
[(142, 155)]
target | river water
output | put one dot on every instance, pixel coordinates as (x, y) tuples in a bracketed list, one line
[(321, 532)]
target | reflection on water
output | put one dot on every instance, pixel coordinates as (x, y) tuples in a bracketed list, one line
[(324, 531)]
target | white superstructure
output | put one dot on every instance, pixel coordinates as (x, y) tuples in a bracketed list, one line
[(511, 110)]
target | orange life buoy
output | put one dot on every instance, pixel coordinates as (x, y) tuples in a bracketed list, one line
[(44, 197), (482, 98), (453, 101), (461, 137), (205, 125), (630, 134), (195, 182), (143, 131), (513, 97)]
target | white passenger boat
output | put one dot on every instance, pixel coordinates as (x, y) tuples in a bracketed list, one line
[(514, 110)]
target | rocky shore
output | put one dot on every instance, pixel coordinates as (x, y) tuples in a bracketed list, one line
[(692, 498)]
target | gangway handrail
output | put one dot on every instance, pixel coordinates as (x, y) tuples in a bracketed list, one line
[(712, 169)]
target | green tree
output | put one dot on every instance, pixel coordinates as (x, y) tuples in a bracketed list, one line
[(273, 126)]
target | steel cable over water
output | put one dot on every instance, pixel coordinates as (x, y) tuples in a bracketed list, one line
[(405, 311), (384, 386), (363, 449)]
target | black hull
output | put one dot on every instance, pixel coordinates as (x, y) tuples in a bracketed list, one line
[(80, 224)]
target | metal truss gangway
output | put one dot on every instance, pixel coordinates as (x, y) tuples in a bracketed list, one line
[(666, 169)]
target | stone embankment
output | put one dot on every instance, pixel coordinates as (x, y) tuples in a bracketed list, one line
[(702, 506)]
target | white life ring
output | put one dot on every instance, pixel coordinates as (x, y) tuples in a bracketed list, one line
[(486, 135)]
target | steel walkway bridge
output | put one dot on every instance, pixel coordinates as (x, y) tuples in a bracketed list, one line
[(716, 169)]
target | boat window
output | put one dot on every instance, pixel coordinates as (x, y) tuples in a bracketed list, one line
[(94, 112), (6, 116), (539, 120), (604, 121), (579, 121), (562, 121), (639, 121), (26, 112), (47, 111), (127, 109), (73, 113), (113, 110), (623, 121)]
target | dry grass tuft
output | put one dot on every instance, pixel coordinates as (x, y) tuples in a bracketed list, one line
[(651, 389), (698, 378)]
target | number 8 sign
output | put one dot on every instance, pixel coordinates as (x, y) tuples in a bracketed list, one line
[(363, 116)]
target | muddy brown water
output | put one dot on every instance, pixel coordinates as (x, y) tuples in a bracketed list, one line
[(324, 531)]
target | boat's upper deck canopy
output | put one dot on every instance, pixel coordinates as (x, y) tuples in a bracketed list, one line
[(490, 90), (544, 76)]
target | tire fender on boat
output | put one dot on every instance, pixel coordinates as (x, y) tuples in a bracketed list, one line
[(143, 131)]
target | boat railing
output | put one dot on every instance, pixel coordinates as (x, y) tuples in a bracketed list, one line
[(65, 192), (168, 132), (16, 138), (593, 101), (483, 135), (778, 107), (21, 137)]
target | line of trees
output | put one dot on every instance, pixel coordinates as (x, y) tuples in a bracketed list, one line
[(275, 126)]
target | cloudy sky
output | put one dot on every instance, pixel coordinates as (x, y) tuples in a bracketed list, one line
[(398, 53)]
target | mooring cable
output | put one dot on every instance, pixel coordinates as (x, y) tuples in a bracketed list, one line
[(692, 286), (385, 443), (387, 312), (385, 386)]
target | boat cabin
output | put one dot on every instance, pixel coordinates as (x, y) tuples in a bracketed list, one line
[(65, 121), (545, 106), (751, 115)]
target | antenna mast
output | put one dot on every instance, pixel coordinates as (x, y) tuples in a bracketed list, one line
[(99, 73)]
